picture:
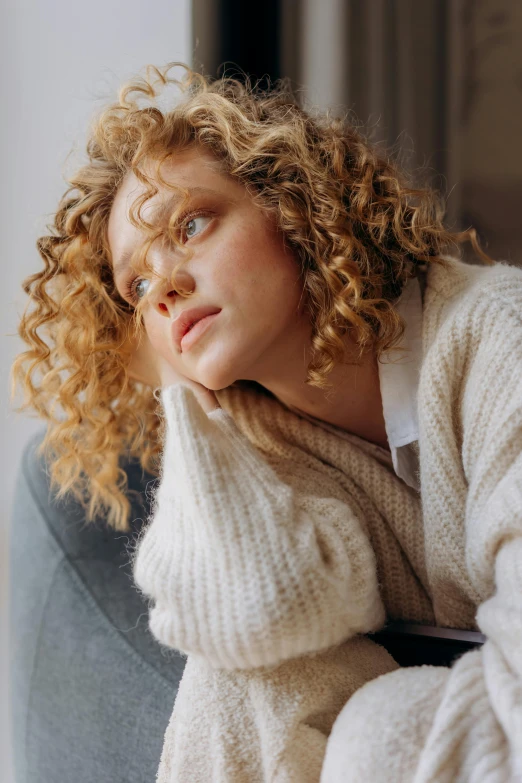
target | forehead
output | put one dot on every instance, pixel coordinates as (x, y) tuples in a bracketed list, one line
[(194, 170), (188, 169)]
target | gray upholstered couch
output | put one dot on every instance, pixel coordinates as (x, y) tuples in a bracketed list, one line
[(91, 690)]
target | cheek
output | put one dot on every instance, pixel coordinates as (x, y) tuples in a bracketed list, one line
[(158, 331), (259, 275)]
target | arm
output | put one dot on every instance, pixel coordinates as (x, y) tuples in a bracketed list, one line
[(478, 724), (248, 564), (266, 724)]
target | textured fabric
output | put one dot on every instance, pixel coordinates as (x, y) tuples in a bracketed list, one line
[(268, 724), (398, 709), (272, 539)]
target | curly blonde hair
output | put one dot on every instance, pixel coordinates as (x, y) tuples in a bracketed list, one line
[(358, 227)]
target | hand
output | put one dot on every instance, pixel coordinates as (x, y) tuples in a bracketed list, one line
[(149, 367)]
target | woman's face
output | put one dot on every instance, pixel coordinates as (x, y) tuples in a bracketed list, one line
[(239, 264)]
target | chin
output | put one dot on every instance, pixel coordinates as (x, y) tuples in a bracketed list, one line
[(217, 369), (216, 381)]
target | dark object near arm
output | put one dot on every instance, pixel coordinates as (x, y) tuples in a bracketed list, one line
[(414, 645)]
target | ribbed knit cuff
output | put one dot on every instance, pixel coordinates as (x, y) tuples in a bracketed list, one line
[(216, 433)]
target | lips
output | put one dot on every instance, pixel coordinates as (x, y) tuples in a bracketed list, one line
[(187, 318)]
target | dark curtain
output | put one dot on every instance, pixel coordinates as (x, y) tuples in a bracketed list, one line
[(439, 80)]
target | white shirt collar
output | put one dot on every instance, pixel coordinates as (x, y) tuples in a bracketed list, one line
[(399, 386)]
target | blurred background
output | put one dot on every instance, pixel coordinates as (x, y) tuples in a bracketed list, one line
[(439, 80)]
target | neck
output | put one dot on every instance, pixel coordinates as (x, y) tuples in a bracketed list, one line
[(353, 402)]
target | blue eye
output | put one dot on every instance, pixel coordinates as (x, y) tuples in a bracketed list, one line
[(130, 288), (190, 225)]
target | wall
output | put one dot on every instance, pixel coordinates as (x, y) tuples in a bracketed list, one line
[(59, 60)]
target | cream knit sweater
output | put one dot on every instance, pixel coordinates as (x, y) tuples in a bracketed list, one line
[(273, 544)]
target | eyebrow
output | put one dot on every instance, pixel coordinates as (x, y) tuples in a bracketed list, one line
[(159, 213)]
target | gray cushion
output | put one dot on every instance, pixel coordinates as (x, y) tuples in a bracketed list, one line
[(91, 690)]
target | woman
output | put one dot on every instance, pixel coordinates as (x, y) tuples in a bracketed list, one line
[(309, 492)]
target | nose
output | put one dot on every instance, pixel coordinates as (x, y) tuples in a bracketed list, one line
[(165, 294)]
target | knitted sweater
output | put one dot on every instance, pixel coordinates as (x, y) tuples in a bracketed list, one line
[(273, 544)]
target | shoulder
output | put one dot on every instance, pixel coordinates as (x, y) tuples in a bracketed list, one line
[(460, 282), (470, 301)]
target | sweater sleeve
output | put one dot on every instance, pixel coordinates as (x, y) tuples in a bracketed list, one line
[(477, 729), (478, 725), (264, 724), (248, 563)]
